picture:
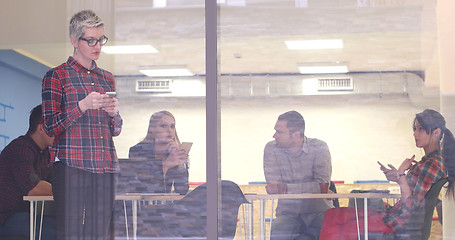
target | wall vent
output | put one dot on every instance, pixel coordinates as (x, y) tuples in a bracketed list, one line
[(335, 84), (154, 85)]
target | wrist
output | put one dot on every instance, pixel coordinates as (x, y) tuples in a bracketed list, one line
[(399, 175), (82, 106)]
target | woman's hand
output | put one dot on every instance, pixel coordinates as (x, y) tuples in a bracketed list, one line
[(406, 164), (92, 101), (177, 156), (97, 100), (391, 173), (110, 105)]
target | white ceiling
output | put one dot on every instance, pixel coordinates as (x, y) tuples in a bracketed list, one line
[(378, 35)]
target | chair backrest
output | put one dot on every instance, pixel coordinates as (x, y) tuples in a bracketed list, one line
[(136, 177), (431, 199), (333, 188), (373, 203), (187, 217)]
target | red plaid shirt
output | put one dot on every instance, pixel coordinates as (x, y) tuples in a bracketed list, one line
[(22, 164), (420, 178), (82, 140)]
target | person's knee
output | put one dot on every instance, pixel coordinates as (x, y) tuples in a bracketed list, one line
[(285, 228)]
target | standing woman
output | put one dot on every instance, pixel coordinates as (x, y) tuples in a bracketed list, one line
[(414, 178), (83, 119), (161, 149)]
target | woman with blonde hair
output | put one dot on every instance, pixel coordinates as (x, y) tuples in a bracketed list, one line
[(161, 147)]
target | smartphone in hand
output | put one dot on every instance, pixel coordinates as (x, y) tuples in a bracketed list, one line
[(186, 146), (111, 94)]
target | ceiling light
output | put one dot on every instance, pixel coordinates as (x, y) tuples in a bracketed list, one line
[(315, 44), (234, 3), (159, 3), (301, 3), (323, 68), (129, 49), (167, 72)]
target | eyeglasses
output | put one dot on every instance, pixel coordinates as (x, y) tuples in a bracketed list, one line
[(92, 42)]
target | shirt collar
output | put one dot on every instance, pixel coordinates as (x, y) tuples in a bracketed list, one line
[(78, 67), (430, 155), (305, 145), (35, 145)]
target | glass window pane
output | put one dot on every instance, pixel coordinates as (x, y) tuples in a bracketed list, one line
[(357, 71)]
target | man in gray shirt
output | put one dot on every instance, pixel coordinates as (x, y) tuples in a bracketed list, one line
[(295, 164)]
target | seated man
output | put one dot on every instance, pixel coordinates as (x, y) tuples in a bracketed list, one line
[(25, 171), (296, 164)]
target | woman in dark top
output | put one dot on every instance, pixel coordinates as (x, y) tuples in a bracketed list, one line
[(161, 149)]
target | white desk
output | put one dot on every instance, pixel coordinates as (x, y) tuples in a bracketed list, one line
[(264, 197), (133, 197), (136, 197)]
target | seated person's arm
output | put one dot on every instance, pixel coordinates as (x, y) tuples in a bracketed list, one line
[(322, 170), (324, 187), (306, 187), (275, 187), (43, 188)]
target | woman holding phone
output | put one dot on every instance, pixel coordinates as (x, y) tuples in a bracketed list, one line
[(162, 148), (414, 178), (83, 119)]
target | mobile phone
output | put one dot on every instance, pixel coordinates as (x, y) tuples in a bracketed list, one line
[(111, 94), (186, 146)]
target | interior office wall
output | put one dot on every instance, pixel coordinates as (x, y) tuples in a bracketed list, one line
[(360, 128), (20, 91)]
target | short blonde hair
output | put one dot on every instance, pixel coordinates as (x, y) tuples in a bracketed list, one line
[(82, 20)]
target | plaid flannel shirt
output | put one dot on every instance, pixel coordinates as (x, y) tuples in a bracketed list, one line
[(420, 178), (82, 139)]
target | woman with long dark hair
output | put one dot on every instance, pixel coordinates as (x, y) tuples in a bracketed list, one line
[(415, 178)]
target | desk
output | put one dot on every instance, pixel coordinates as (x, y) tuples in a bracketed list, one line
[(263, 197), (133, 197), (136, 197)]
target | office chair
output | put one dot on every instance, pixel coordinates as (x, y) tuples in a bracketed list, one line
[(333, 188), (187, 217), (420, 226)]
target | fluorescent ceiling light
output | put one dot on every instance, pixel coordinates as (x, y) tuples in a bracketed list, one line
[(323, 69), (234, 3), (315, 44), (129, 49), (301, 3), (169, 72), (159, 3)]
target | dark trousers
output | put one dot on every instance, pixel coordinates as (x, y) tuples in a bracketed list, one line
[(18, 225), (84, 203), (297, 226)]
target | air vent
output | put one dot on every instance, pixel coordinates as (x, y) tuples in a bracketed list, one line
[(155, 85), (335, 84)]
